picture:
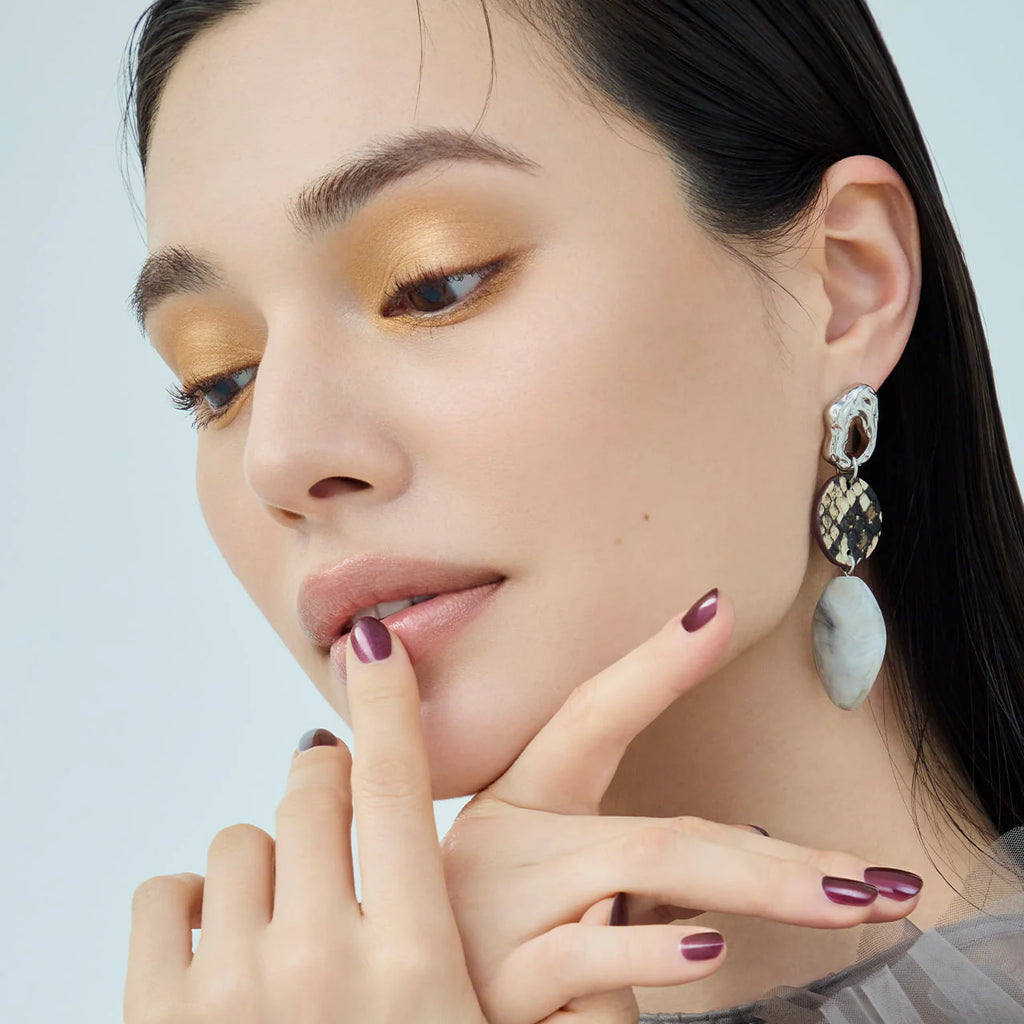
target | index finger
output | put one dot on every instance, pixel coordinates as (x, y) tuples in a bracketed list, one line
[(399, 853), (569, 764)]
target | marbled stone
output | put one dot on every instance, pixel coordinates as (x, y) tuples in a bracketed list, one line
[(848, 640), (848, 520)]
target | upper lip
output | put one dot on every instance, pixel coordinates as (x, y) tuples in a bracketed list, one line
[(328, 599)]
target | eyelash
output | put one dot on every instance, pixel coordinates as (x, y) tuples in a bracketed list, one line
[(190, 395)]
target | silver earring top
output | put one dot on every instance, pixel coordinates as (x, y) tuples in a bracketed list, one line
[(858, 403)]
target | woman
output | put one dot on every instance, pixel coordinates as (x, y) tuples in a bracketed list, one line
[(586, 326)]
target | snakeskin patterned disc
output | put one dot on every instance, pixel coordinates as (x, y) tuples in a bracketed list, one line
[(847, 520)]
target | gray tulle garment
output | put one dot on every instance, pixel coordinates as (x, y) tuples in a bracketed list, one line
[(968, 969)]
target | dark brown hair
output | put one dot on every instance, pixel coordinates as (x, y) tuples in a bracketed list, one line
[(754, 100)]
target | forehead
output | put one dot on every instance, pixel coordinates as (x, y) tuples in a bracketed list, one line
[(267, 98)]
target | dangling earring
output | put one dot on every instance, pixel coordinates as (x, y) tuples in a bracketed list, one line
[(847, 630)]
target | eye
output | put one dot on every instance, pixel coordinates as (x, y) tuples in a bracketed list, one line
[(430, 291), (434, 290), (209, 397)]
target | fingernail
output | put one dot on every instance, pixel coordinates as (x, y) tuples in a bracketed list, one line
[(894, 883), (370, 639), (620, 911), (759, 829), (702, 611), (317, 738), (702, 946), (848, 891)]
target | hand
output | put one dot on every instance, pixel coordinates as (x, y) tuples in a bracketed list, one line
[(532, 867), (284, 939)]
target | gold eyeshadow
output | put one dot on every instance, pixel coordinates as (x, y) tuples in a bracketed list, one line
[(203, 335), (199, 335), (433, 225)]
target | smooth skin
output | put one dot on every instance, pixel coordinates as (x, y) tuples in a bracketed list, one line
[(623, 419), (284, 937)]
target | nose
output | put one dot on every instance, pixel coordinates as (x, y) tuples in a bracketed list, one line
[(317, 439)]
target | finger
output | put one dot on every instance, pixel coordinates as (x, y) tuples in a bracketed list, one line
[(399, 852), (575, 960), (895, 886), (615, 1007), (238, 893), (569, 764), (618, 1007), (313, 873), (671, 869), (160, 941)]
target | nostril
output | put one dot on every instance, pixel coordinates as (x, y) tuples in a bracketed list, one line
[(336, 484)]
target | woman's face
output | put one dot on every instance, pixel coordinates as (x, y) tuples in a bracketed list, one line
[(610, 420)]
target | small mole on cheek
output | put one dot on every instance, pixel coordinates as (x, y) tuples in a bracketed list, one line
[(618, 540), (646, 517)]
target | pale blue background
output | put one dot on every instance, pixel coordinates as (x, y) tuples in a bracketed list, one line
[(148, 703)]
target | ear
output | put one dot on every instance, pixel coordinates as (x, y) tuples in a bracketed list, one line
[(868, 254)]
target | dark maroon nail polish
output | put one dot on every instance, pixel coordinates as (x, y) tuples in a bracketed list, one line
[(703, 611), (317, 738), (893, 883), (702, 946), (370, 639), (759, 829), (620, 910), (848, 891)]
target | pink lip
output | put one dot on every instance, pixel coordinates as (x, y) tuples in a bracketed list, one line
[(328, 599), (424, 627)]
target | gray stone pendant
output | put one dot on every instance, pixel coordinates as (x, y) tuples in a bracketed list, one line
[(848, 640)]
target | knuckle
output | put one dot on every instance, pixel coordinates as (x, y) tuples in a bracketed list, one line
[(304, 965), (779, 883), (837, 862), (652, 846), (315, 800), (388, 777), (159, 889), (413, 962), (700, 828), (812, 857), (383, 693), (232, 992)]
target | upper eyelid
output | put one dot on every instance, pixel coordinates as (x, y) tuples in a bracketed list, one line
[(496, 267)]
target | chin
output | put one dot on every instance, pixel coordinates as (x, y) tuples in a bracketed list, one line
[(466, 752)]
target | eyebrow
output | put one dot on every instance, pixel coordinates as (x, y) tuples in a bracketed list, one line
[(327, 201)]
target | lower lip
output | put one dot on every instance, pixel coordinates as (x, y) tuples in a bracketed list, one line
[(426, 626)]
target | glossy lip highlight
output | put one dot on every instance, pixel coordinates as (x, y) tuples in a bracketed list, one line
[(328, 599)]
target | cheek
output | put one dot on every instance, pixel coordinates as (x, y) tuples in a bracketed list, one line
[(658, 443)]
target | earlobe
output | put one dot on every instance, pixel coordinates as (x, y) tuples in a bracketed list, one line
[(872, 268)]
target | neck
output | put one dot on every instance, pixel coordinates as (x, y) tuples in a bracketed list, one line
[(771, 749)]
